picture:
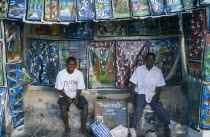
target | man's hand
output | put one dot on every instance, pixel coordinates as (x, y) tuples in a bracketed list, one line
[(76, 101), (69, 100)]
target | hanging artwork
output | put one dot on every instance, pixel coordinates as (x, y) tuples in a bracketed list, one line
[(143, 27), (204, 2), (157, 7), (14, 80), (43, 61), (82, 30), (205, 107), (67, 10), (120, 9), (186, 24), (198, 34), (27, 76), (111, 28), (43, 29), (189, 4), (167, 58), (34, 10), (140, 8), (51, 10), (13, 41), (1, 65), (16, 9), (2, 103), (101, 64), (129, 55), (206, 67), (85, 10), (3, 8), (64, 47), (174, 6), (102, 9)]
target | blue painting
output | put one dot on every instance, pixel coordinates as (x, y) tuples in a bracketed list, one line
[(2, 103), (82, 30), (102, 8), (16, 9), (43, 61), (174, 5), (157, 7), (189, 4), (204, 2), (85, 10), (34, 10), (14, 80), (67, 10)]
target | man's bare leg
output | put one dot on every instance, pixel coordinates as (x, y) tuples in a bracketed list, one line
[(65, 117), (84, 118)]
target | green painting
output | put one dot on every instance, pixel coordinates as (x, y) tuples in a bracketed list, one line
[(120, 9)]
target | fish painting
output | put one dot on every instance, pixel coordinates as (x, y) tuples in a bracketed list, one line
[(207, 101), (206, 121), (17, 98), (18, 118), (18, 108)]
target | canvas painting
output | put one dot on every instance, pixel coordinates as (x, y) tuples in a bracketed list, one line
[(174, 6), (16, 9), (204, 2), (27, 76), (120, 9), (129, 55), (13, 41), (67, 10), (167, 58), (43, 61), (51, 10), (43, 29), (1, 65), (82, 30), (157, 7), (14, 80), (140, 8), (3, 8), (85, 10), (206, 67), (102, 9), (111, 28), (34, 10), (2, 103), (189, 4), (101, 64)]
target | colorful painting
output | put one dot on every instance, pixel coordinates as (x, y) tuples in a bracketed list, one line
[(129, 55), (82, 30), (174, 5), (3, 8), (186, 24), (1, 65), (101, 64), (2, 103), (157, 7), (198, 34), (16, 9), (13, 41), (170, 25), (27, 76), (43, 29), (140, 8), (102, 9), (111, 28), (204, 2), (143, 27), (167, 58), (14, 80), (206, 66), (34, 10), (120, 9), (51, 10), (85, 10), (189, 4), (43, 61), (67, 10)]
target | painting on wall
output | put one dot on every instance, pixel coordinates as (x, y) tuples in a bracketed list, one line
[(51, 10), (102, 9), (204, 2), (120, 9), (43, 29), (16, 9), (3, 8), (43, 61), (34, 10), (14, 80), (1, 65), (189, 4), (85, 10), (67, 10), (140, 8), (111, 28), (101, 64), (167, 58), (2, 115), (27, 76), (143, 27), (174, 6), (157, 7), (129, 55), (206, 67), (13, 41), (79, 30)]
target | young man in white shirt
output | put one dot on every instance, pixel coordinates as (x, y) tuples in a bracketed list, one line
[(69, 83), (146, 83)]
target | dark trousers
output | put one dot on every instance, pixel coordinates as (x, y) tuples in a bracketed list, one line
[(139, 104)]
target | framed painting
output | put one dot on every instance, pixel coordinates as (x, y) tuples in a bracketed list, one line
[(85, 10), (67, 10), (16, 9), (204, 2), (140, 8), (174, 6), (206, 59), (189, 4), (3, 8), (51, 10), (157, 7), (34, 10), (120, 9), (45, 29), (102, 9)]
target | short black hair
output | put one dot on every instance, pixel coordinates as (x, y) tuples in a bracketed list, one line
[(150, 54), (71, 59)]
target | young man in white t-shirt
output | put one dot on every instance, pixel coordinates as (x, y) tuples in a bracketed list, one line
[(69, 83)]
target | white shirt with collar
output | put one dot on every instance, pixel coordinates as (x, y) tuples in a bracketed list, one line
[(147, 80)]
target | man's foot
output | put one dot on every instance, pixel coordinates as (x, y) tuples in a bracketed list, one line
[(66, 134), (84, 131), (133, 132)]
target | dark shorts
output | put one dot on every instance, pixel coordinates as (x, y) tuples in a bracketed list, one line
[(82, 101)]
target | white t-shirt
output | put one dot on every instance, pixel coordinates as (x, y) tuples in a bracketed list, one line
[(146, 81), (70, 83)]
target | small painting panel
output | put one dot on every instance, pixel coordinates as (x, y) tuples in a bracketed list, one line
[(102, 8), (206, 66), (189, 4), (157, 7), (204, 2), (174, 5), (43, 29), (34, 10), (120, 9), (51, 10), (16, 9), (85, 10), (3, 8), (67, 10), (140, 8)]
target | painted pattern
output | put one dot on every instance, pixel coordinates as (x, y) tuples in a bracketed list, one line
[(43, 29), (129, 55), (103, 9), (67, 10), (85, 10), (43, 61), (140, 8), (101, 64), (206, 66), (204, 2), (2, 103), (34, 10), (51, 10), (16, 9), (157, 7), (120, 9), (27, 76), (1, 64), (174, 5), (3, 8)]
